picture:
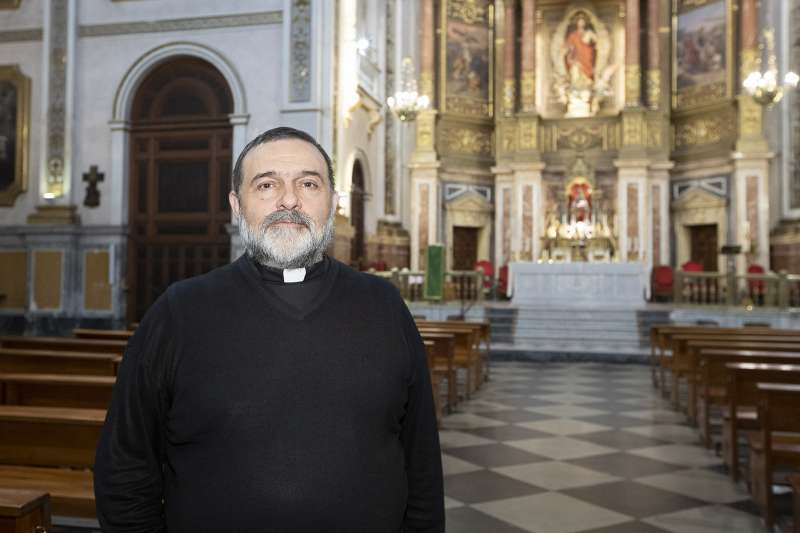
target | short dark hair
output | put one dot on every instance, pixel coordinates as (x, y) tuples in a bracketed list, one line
[(276, 134)]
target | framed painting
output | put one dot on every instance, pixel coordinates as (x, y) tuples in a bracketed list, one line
[(467, 65), (9, 4), (702, 54), (14, 117)]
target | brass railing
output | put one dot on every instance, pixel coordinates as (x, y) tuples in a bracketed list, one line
[(779, 290), (459, 285)]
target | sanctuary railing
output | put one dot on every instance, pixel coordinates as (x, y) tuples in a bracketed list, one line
[(459, 285), (780, 290)]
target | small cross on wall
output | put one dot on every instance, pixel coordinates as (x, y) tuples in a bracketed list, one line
[(93, 177)]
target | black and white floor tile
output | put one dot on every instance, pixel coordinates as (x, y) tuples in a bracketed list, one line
[(588, 447)]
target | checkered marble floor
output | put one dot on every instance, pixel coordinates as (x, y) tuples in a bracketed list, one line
[(590, 447)]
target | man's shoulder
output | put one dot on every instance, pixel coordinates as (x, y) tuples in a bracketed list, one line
[(218, 281), (365, 281)]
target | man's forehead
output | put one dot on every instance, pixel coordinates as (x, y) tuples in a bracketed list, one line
[(287, 154)]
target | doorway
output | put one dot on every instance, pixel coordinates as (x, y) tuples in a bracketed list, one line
[(180, 169), (465, 247), (704, 248), (357, 196)]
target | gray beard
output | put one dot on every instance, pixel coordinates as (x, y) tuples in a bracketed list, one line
[(280, 247)]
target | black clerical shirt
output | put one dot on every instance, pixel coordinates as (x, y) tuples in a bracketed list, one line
[(236, 411)]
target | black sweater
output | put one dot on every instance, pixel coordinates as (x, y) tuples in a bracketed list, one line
[(234, 412)]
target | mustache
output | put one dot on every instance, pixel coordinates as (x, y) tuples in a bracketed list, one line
[(295, 217)]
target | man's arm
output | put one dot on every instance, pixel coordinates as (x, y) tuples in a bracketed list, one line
[(420, 437), (128, 481)]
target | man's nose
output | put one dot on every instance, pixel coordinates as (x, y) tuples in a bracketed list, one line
[(289, 199)]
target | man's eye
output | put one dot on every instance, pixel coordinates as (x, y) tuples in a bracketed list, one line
[(264, 186), (310, 184)]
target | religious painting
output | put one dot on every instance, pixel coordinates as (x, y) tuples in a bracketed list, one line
[(702, 49), (14, 97), (467, 51), (580, 55)]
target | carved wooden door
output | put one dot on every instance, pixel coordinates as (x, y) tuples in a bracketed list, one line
[(704, 246), (465, 248)]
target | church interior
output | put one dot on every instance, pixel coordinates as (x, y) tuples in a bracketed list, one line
[(590, 207)]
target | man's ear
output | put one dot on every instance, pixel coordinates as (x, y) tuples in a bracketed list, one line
[(233, 199), (334, 202)]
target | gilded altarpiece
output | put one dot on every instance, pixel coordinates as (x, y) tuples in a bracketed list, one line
[(466, 83), (703, 60)]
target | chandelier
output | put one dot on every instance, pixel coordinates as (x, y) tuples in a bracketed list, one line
[(407, 102), (765, 87)]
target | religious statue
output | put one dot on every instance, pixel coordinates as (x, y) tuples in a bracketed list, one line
[(580, 52)]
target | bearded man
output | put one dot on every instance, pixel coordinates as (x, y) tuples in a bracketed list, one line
[(284, 392)]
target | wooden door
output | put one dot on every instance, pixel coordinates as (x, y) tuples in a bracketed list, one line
[(704, 247), (465, 248), (180, 171)]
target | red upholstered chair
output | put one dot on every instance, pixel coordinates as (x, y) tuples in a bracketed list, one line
[(692, 266), (755, 287), (488, 271), (502, 280), (661, 280), (693, 287)]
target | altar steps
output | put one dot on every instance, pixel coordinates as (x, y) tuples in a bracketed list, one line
[(572, 333)]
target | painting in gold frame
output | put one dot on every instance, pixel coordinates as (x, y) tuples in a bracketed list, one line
[(467, 64), (702, 52), (9, 4), (14, 117)]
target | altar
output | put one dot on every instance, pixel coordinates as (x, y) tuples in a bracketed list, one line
[(578, 284)]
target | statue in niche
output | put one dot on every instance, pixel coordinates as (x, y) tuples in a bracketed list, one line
[(580, 52)]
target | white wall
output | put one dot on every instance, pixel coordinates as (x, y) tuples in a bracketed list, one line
[(105, 11)]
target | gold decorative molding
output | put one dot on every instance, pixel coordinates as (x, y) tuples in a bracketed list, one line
[(703, 129), (633, 85), (426, 124), (556, 135), (527, 134), (426, 84), (697, 96), (527, 87), (509, 97), (506, 138), (461, 140), (633, 128), (467, 11), (750, 118), (655, 131), (653, 88), (749, 60)]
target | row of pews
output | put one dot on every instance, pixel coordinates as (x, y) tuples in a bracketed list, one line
[(54, 392), (741, 388), (458, 355)]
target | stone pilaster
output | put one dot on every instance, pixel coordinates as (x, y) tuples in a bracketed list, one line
[(504, 215), (634, 239), (527, 212), (425, 209), (751, 208)]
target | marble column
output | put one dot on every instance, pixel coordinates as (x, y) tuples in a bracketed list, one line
[(504, 216), (653, 54), (509, 49), (528, 57), (634, 235), (424, 169), (751, 136), (528, 215), (659, 219), (632, 60)]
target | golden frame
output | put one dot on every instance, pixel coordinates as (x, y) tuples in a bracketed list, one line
[(19, 183), (442, 30), (703, 97)]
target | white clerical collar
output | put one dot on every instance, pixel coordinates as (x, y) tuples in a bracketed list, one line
[(294, 275)]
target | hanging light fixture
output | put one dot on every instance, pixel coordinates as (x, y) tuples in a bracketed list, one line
[(407, 102), (766, 88)]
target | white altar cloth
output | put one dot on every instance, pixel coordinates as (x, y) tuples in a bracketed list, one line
[(579, 284)]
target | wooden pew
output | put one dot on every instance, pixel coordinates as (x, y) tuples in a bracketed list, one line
[(56, 390), (102, 334), (742, 375), (444, 363), (24, 511), (64, 344), (661, 339), (477, 330), (58, 362), (484, 339), (436, 380), (51, 449), (776, 445), (466, 355), (795, 483), (71, 491), (686, 346)]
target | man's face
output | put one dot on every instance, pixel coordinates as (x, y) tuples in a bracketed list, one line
[(285, 204)]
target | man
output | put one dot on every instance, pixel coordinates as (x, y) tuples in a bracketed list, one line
[(282, 393)]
